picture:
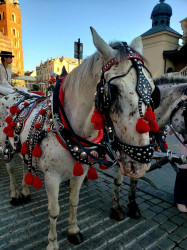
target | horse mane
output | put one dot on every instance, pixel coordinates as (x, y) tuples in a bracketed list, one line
[(170, 80)]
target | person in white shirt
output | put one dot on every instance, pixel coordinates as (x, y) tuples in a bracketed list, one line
[(6, 73)]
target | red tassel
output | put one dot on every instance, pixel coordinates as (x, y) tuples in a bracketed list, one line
[(92, 174), (13, 109), (154, 126), (26, 104), (24, 149), (42, 111), (98, 120), (37, 182), (149, 115), (103, 167), (37, 126), (5, 130), (10, 132), (77, 169), (165, 145), (29, 178), (37, 151), (12, 124), (142, 126), (8, 119), (18, 111)]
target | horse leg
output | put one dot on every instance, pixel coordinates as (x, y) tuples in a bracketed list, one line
[(25, 188), (14, 192), (117, 212), (134, 211), (52, 184), (74, 234)]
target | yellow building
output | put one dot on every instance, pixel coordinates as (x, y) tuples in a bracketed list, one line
[(54, 65), (161, 37), (10, 26)]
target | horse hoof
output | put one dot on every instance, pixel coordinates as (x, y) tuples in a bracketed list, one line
[(16, 201), (134, 211), (117, 214), (25, 199), (75, 239)]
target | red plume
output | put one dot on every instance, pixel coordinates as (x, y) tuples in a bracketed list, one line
[(37, 151), (77, 169), (37, 182), (24, 149), (29, 178), (142, 126), (92, 174)]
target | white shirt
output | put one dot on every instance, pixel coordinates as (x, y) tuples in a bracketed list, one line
[(5, 76)]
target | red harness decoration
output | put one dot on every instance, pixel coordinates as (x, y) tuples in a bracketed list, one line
[(78, 170)]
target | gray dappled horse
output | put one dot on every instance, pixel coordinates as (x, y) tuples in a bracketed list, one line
[(170, 103), (43, 134)]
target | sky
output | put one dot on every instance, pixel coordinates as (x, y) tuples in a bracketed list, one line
[(50, 27)]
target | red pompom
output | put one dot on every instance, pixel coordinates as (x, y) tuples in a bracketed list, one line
[(154, 126), (149, 115), (98, 120), (10, 132), (142, 126), (18, 111), (42, 111), (26, 104), (37, 151), (77, 169), (12, 124), (13, 109), (29, 178), (8, 119), (37, 126), (5, 130), (165, 145), (24, 149), (37, 182), (92, 174)]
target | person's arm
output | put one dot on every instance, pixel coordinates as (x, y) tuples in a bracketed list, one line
[(3, 79)]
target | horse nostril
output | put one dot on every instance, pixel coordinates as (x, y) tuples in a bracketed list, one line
[(133, 167)]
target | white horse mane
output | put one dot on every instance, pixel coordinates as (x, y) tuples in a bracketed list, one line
[(170, 80)]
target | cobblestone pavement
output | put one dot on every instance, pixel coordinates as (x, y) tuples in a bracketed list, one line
[(161, 226)]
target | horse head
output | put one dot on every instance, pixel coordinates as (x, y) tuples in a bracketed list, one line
[(170, 97), (125, 105)]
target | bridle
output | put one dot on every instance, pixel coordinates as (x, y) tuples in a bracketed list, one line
[(103, 102), (181, 104)]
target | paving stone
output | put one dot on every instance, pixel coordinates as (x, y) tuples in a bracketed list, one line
[(148, 214), (160, 218), (183, 244), (168, 226), (156, 209), (181, 231), (177, 220), (165, 244)]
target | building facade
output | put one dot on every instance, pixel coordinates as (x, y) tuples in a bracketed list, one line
[(10, 27), (161, 37), (54, 65)]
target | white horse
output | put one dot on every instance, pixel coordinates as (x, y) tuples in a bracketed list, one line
[(170, 101), (79, 91)]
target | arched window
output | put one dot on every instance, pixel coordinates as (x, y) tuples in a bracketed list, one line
[(0, 17), (169, 70), (13, 17), (14, 32), (162, 21)]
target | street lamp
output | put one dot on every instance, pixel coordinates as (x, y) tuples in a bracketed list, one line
[(78, 50)]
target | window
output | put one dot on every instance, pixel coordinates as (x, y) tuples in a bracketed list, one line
[(0, 17), (162, 21), (13, 17), (14, 32), (169, 70), (156, 22)]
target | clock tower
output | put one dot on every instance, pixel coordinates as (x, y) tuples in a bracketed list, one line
[(10, 26)]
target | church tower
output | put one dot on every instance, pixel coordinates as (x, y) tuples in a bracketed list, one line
[(161, 37), (10, 26)]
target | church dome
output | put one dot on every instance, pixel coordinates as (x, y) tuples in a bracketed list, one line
[(161, 9)]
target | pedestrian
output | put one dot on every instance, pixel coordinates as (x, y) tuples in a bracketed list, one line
[(180, 189), (6, 73)]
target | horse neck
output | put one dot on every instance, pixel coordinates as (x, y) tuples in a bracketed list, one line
[(80, 87), (170, 97)]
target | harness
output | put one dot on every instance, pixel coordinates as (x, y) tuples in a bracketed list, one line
[(103, 102)]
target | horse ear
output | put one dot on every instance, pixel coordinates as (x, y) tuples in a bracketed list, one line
[(137, 45), (106, 51)]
